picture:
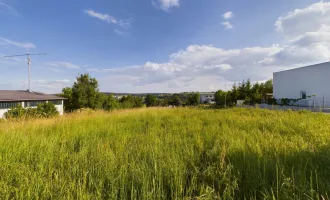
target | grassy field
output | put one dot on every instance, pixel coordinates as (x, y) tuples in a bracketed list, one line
[(168, 154)]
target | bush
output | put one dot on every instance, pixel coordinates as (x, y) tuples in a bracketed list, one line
[(15, 112), (44, 110)]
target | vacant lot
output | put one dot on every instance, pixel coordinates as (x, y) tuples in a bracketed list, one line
[(168, 154)]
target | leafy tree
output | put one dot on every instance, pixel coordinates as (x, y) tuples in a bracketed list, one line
[(85, 92), (131, 102), (193, 99), (110, 103), (220, 98), (176, 100), (151, 100), (68, 103)]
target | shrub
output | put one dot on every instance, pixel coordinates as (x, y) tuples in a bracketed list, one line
[(45, 110), (15, 112)]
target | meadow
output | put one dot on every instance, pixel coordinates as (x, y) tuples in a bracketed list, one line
[(159, 153)]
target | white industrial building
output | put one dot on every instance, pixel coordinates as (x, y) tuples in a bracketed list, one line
[(11, 98), (207, 97), (309, 85)]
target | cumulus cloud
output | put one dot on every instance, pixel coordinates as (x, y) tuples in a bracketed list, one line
[(304, 20), (166, 4), (228, 15), (25, 45), (208, 68)]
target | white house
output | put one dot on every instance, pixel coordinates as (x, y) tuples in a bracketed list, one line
[(207, 97), (11, 98), (310, 84)]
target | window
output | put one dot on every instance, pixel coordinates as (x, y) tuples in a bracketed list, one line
[(303, 95), (33, 103), (7, 105), (56, 102)]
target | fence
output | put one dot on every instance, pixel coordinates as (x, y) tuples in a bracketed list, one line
[(314, 105)]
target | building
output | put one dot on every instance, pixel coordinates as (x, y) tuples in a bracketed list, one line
[(307, 85), (207, 97), (11, 98)]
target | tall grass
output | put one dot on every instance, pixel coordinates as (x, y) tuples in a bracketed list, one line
[(167, 154)]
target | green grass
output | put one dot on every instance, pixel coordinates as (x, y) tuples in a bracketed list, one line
[(168, 154)]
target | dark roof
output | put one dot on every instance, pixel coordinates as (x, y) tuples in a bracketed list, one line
[(22, 95)]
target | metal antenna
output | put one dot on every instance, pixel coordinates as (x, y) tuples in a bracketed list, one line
[(28, 62)]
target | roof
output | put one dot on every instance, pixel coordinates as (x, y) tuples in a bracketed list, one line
[(324, 64), (23, 95)]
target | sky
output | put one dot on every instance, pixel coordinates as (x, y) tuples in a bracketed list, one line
[(141, 46)]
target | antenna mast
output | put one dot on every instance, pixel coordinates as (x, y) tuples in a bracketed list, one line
[(28, 62)]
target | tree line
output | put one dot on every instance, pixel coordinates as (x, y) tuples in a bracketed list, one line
[(250, 93), (85, 94)]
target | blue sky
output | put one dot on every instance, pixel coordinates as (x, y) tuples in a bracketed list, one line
[(159, 45)]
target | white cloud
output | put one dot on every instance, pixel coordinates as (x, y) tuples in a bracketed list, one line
[(228, 15), (207, 68), (63, 64), (301, 21), (166, 4), (109, 19), (227, 25), (104, 17), (121, 33), (26, 45)]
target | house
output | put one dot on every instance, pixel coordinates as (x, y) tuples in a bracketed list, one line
[(207, 97), (305, 86), (11, 98)]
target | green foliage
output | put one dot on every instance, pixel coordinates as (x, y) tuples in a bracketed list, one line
[(168, 154), (250, 93), (151, 101), (110, 103), (15, 112), (193, 99), (130, 101), (47, 110), (220, 98), (43, 110), (176, 100), (85, 92), (68, 103)]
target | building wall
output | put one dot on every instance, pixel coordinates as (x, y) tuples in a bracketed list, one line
[(207, 97), (60, 109), (314, 80), (2, 112)]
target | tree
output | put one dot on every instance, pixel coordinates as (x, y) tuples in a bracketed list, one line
[(85, 92), (110, 103), (220, 98), (176, 100), (151, 100), (193, 99), (68, 103)]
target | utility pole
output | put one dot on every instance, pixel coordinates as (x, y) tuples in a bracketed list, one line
[(29, 63)]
